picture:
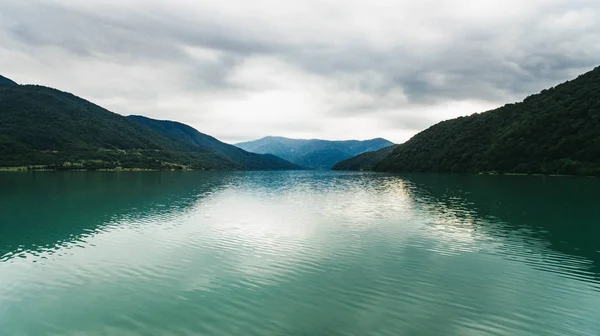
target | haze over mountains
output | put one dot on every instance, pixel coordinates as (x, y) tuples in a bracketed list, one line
[(554, 132), (41, 126), (313, 153)]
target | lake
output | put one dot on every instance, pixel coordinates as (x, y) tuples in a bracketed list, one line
[(298, 253)]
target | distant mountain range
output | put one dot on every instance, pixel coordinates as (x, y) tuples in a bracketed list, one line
[(41, 127), (314, 153), (554, 132)]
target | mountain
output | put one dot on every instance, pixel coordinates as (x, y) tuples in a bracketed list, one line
[(45, 127), (320, 154), (6, 81), (364, 161), (185, 134), (554, 132)]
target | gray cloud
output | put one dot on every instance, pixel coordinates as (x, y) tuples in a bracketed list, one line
[(317, 69)]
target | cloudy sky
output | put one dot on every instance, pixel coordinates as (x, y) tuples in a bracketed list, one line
[(331, 69)]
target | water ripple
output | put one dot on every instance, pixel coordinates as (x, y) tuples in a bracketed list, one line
[(300, 253)]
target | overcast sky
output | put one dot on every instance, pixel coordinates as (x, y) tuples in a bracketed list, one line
[(332, 69)]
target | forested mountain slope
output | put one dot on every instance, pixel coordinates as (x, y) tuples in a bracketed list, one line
[(554, 132), (188, 135), (41, 126), (364, 161)]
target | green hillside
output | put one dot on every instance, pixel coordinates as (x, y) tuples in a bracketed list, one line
[(48, 128), (190, 136), (554, 132), (364, 161)]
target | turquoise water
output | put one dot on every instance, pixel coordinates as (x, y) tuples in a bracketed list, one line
[(298, 253)]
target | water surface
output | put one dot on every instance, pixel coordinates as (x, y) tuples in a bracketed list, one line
[(298, 253)]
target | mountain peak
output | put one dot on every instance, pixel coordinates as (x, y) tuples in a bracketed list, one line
[(313, 153), (6, 81)]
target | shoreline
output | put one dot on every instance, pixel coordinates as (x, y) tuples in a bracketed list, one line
[(24, 169), (534, 174), (27, 170)]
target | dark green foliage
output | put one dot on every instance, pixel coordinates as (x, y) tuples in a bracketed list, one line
[(40, 126), (45, 119), (191, 137), (554, 132), (364, 161), (320, 154)]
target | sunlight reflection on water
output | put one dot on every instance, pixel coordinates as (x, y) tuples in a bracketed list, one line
[(293, 253)]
